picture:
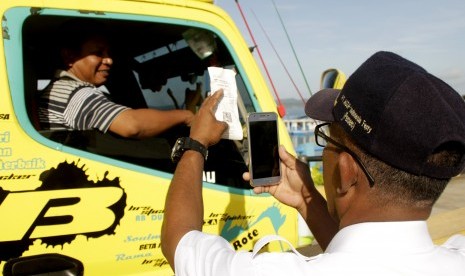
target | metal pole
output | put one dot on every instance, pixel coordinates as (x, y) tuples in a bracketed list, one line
[(295, 55), (280, 60), (281, 109)]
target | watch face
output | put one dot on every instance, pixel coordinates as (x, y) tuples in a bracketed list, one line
[(178, 149), (185, 143)]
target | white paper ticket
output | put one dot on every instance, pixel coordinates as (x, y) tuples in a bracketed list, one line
[(227, 111)]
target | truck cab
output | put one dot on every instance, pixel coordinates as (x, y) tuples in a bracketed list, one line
[(88, 202)]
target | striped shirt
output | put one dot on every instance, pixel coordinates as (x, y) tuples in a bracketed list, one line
[(71, 104)]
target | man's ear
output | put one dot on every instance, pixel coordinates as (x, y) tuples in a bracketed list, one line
[(68, 56), (348, 171)]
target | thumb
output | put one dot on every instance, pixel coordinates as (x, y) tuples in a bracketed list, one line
[(223, 125)]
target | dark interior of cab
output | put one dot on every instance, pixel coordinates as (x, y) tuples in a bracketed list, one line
[(146, 56)]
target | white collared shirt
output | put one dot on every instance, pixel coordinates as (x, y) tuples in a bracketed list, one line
[(381, 248)]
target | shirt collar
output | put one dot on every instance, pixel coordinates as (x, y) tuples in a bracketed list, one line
[(393, 237), (65, 74)]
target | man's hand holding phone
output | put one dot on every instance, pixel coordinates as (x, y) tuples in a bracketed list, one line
[(296, 185), (296, 189)]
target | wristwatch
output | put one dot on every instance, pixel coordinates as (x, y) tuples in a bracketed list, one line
[(187, 143)]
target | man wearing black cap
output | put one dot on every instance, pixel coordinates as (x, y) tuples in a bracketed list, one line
[(393, 138)]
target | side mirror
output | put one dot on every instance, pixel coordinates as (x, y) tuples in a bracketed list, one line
[(332, 78)]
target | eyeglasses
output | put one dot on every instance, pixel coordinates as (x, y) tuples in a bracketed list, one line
[(322, 138)]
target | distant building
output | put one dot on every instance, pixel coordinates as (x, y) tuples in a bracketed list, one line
[(302, 135)]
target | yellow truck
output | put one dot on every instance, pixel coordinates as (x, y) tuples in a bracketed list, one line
[(89, 202)]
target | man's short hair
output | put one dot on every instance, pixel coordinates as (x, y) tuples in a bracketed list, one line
[(398, 187), (73, 33)]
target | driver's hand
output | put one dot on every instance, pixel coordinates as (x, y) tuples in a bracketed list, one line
[(193, 98)]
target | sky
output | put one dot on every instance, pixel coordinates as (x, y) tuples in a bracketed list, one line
[(343, 34)]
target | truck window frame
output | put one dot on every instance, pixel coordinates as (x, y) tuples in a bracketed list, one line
[(16, 78)]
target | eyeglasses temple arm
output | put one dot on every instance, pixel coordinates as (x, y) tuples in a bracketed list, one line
[(306, 158)]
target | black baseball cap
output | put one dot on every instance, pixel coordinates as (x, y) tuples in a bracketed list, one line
[(397, 112)]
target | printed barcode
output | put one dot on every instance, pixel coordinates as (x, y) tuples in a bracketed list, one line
[(227, 117)]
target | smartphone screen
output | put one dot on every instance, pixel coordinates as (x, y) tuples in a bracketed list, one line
[(264, 162)]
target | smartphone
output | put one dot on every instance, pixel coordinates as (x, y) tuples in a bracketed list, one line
[(263, 141)]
